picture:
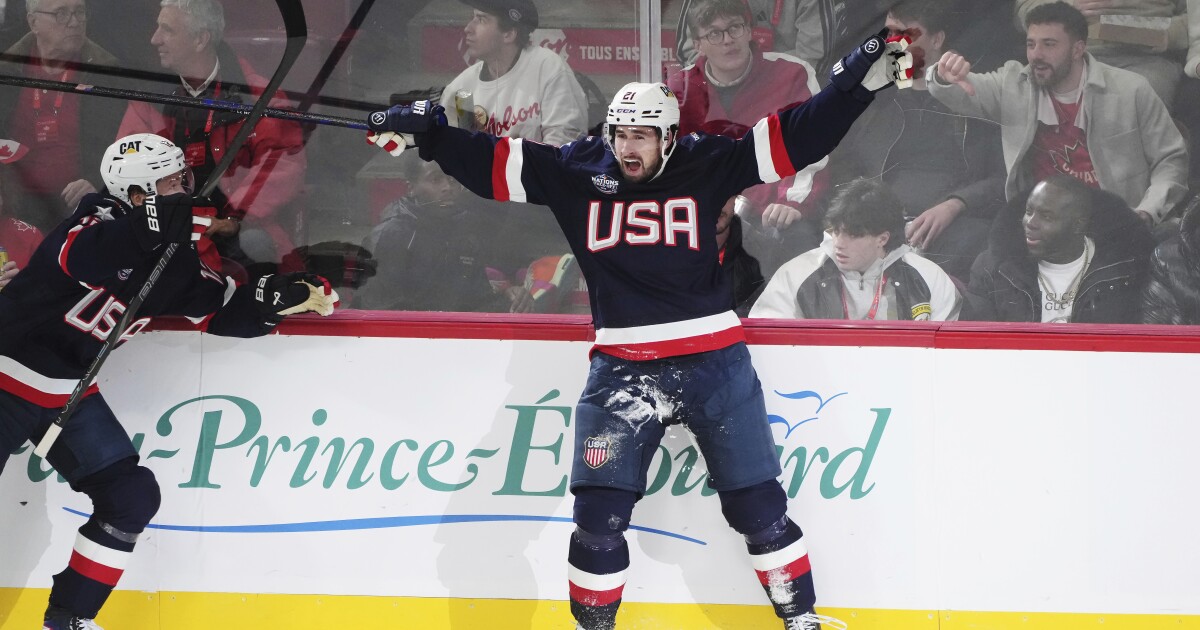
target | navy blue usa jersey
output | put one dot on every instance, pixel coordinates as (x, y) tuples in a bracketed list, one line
[(57, 312), (648, 251)]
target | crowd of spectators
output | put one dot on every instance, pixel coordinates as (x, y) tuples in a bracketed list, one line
[(1050, 185)]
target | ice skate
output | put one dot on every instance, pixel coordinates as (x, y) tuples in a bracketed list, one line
[(59, 619), (813, 621)]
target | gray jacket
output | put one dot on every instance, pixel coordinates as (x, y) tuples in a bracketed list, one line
[(1136, 149)]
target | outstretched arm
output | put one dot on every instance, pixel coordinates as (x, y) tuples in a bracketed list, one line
[(504, 169)]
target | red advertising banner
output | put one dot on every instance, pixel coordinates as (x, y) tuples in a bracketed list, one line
[(592, 51)]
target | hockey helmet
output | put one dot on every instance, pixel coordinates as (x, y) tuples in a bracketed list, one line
[(139, 160), (645, 105)]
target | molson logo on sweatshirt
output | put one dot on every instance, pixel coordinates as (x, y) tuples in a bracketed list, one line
[(509, 118)]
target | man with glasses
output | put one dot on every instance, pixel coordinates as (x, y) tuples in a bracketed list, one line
[(732, 86), (65, 133)]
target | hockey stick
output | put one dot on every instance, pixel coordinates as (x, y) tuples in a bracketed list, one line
[(297, 32), (184, 101), (165, 79)]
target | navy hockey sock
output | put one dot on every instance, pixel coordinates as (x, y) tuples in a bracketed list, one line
[(97, 562), (596, 570), (781, 561)]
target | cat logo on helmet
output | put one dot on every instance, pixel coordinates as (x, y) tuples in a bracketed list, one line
[(129, 148)]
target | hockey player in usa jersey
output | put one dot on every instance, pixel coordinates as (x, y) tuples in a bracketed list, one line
[(639, 207), (56, 314)]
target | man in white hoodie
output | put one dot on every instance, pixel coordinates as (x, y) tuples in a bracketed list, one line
[(863, 269)]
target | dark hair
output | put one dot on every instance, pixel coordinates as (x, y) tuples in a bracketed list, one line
[(866, 207), (705, 11), (1081, 197), (937, 16), (523, 31), (1069, 17)]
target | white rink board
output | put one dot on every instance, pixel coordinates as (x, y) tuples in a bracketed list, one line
[(939, 479)]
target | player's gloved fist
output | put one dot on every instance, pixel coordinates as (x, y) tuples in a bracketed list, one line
[(174, 218), (280, 295), (876, 64), (397, 128)]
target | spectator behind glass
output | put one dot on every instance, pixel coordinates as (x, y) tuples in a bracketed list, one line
[(863, 270), (1102, 125), (1158, 62), (731, 87), (430, 251), (815, 31), (1172, 295), (65, 133), (518, 90), (1070, 253), (269, 169), (947, 170), (17, 237), (745, 274)]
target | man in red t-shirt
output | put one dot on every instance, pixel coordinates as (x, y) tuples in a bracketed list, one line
[(1067, 113)]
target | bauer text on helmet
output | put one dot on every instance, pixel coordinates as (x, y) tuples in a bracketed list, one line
[(140, 160), (640, 129)]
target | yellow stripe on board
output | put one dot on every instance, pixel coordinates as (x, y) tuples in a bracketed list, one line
[(21, 609)]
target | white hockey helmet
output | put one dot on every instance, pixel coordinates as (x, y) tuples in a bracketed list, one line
[(139, 160), (645, 105)]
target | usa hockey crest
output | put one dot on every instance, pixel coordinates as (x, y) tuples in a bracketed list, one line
[(605, 184), (595, 452)]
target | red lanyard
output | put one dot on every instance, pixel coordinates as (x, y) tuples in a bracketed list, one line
[(58, 100), (874, 305), (216, 96), (778, 13)]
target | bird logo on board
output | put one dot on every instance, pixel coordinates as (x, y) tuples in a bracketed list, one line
[(595, 452), (605, 184)]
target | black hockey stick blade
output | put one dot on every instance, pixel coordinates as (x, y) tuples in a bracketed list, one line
[(297, 32)]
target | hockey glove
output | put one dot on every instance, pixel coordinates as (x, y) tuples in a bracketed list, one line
[(873, 66), (280, 295), (174, 218), (399, 127)]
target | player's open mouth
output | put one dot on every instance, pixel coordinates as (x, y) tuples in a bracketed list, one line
[(632, 166)]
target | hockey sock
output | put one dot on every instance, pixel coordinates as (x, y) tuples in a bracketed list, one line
[(781, 561), (97, 562), (596, 570)]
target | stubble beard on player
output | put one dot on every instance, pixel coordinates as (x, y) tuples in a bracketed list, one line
[(645, 171)]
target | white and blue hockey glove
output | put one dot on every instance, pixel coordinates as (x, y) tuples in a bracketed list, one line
[(278, 296), (873, 66), (397, 128)]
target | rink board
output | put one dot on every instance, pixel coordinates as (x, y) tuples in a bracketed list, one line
[(422, 482)]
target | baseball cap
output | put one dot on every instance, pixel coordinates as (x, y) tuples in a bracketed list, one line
[(522, 12)]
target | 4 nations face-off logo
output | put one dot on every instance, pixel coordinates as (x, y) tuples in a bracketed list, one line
[(595, 452)]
